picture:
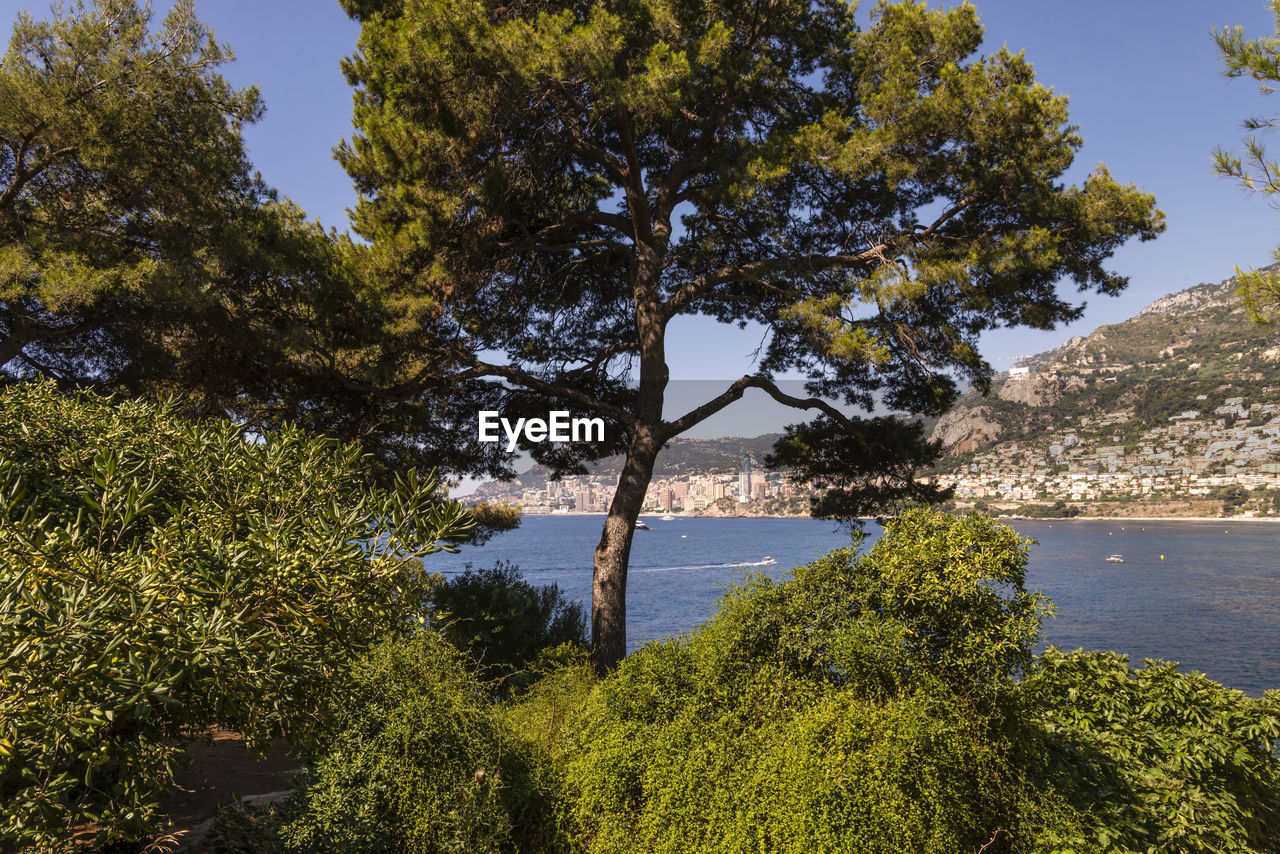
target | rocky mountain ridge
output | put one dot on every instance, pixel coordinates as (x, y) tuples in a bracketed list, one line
[(1185, 351)]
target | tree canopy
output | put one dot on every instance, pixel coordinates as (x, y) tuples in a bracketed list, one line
[(1260, 59), (121, 164), (139, 252), (547, 185)]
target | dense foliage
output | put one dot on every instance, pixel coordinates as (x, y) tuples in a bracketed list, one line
[(852, 708), (139, 252), (158, 577), (885, 701), (503, 622), (1157, 760), (867, 704), (421, 758), (868, 471), (121, 164), (420, 761)]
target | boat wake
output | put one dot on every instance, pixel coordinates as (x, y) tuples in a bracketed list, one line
[(765, 562)]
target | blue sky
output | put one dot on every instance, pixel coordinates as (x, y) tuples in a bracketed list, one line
[(1144, 80)]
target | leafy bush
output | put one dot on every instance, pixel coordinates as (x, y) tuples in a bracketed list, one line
[(424, 757), (160, 577), (1158, 760), (503, 622), (856, 707), (869, 704), (423, 762), (1056, 510)]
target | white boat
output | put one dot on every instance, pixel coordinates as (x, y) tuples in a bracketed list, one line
[(668, 518), (767, 561), (1116, 559), (641, 526)]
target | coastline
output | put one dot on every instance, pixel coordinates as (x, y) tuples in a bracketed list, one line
[(1002, 517), (1231, 519)]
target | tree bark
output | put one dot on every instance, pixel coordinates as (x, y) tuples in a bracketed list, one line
[(11, 347), (609, 579), (609, 582)]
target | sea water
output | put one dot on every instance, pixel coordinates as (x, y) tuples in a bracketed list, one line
[(1205, 594)]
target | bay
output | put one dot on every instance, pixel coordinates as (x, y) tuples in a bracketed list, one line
[(1211, 603)]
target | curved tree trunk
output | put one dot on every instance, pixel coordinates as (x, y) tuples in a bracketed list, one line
[(609, 582)]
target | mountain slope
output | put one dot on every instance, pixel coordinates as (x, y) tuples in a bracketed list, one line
[(1189, 351)]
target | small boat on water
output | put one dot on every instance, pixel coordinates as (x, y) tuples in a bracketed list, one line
[(641, 526), (767, 561), (668, 518), (1115, 559)]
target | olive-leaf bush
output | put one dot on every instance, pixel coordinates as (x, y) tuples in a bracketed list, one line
[(159, 577)]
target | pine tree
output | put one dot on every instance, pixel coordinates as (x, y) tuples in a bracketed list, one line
[(546, 185)]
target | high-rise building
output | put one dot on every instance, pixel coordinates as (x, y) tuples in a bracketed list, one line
[(744, 479)]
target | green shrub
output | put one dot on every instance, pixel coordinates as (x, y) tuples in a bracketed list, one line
[(560, 684), (160, 577), (858, 707), (1056, 510), (503, 622), (423, 762), (1158, 760)]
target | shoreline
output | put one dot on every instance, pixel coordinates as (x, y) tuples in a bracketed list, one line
[(1230, 519)]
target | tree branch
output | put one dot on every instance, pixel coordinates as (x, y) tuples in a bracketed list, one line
[(691, 290), (605, 355), (670, 192), (735, 391), (748, 270), (571, 224), (637, 199), (613, 167), (42, 368)]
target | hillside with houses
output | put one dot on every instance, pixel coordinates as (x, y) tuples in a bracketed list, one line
[(1173, 412)]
